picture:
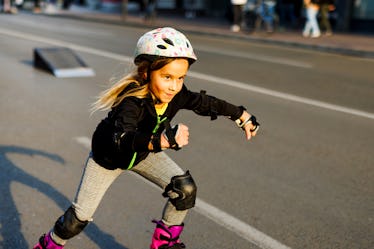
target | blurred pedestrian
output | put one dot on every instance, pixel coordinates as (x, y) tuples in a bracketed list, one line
[(8, 6), (190, 7), (238, 14), (66, 4), (136, 131), (311, 28), (51, 6), (250, 14), (265, 15), (37, 7), (326, 6), (150, 10)]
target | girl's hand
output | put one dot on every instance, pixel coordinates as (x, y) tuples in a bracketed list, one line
[(181, 137), (249, 128)]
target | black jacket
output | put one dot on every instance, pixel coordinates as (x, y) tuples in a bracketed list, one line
[(121, 139)]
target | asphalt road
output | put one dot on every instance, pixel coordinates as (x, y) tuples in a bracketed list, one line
[(306, 181)]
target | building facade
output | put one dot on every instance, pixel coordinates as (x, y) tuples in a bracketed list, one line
[(362, 17)]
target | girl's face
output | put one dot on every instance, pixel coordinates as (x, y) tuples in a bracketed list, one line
[(166, 82)]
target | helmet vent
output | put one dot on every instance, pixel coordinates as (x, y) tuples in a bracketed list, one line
[(161, 46), (168, 41)]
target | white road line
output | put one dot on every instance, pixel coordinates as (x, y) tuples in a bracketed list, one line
[(197, 75), (237, 226), (73, 46), (257, 57), (220, 217), (281, 95)]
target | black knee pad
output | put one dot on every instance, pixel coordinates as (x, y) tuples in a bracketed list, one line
[(185, 187), (68, 225)]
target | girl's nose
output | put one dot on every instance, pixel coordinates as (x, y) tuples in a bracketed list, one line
[(173, 85)]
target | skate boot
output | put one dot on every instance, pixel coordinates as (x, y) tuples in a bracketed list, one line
[(166, 237), (46, 242)]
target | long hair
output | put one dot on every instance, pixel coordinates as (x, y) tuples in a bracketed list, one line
[(140, 76)]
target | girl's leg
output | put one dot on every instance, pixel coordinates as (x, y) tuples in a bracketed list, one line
[(94, 183), (159, 169)]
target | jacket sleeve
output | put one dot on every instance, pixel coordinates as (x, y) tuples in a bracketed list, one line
[(206, 105), (126, 118)]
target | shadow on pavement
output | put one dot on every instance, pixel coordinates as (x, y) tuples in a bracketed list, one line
[(10, 223)]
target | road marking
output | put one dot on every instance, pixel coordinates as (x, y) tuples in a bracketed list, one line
[(73, 46), (197, 75), (220, 217), (281, 95), (237, 226), (258, 57)]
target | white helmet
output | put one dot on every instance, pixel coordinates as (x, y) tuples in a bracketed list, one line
[(163, 42)]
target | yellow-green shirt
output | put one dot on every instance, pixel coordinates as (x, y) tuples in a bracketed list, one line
[(161, 110)]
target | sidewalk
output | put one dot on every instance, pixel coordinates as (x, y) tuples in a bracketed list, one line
[(339, 43)]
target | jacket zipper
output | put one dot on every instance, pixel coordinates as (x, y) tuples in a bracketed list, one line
[(159, 121)]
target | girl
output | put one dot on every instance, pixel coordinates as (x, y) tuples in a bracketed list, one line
[(137, 130)]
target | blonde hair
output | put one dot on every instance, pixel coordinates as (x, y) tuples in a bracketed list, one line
[(112, 97)]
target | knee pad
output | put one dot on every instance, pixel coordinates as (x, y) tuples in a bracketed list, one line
[(185, 188), (68, 225)]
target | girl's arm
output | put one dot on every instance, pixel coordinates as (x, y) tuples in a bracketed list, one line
[(207, 105)]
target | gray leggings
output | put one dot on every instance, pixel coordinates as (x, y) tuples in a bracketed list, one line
[(157, 168)]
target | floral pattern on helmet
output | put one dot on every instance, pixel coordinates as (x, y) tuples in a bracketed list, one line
[(165, 42)]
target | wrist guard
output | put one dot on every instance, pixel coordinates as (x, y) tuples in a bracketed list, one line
[(252, 119), (170, 133)]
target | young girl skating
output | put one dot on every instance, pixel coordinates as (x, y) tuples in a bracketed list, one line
[(136, 131)]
